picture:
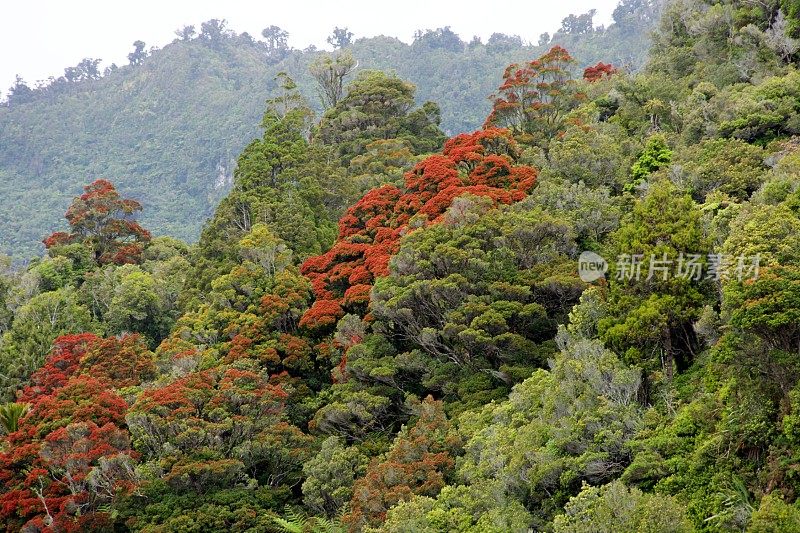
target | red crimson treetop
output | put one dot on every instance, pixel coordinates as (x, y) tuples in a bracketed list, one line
[(104, 222), (483, 163)]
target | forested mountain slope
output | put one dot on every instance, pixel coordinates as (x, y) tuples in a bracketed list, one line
[(383, 328), (167, 128)]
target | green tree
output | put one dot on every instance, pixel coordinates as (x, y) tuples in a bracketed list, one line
[(295, 189), (774, 515), (483, 507), (6, 284), (139, 54), (656, 155), (615, 508), (36, 325), (473, 302), (330, 72), (652, 302), (276, 41), (592, 155), (765, 302), (330, 476), (340, 37), (136, 307), (557, 428), (379, 106), (730, 166)]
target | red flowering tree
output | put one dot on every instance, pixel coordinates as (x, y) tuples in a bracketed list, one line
[(125, 362), (60, 365), (535, 97), (71, 454), (218, 428), (419, 462), (598, 72), (483, 163), (104, 222)]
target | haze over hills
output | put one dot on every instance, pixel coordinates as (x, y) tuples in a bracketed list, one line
[(168, 127)]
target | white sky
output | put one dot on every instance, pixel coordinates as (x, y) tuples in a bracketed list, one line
[(39, 38)]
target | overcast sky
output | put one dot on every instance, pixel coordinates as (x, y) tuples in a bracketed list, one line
[(39, 38)]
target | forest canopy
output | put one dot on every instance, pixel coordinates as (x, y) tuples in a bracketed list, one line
[(385, 325)]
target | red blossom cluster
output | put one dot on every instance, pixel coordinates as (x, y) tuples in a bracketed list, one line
[(598, 72), (531, 91), (241, 393), (102, 221), (201, 418), (72, 452), (483, 163)]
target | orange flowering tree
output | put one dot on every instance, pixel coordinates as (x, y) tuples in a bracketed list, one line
[(104, 222), (483, 163), (598, 72), (535, 97), (72, 455), (421, 459)]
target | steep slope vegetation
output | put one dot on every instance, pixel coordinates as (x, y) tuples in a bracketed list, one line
[(167, 129)]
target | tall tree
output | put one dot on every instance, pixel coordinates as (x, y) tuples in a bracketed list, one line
[(330, 72), (138, 54), (660, 282), (380, 106), (340, 38), (578, 24), (277, 42), (535, 97), (420, 460), (104, 222), (440, 38)]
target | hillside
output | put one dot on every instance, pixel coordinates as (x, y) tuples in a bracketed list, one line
[(167, 130), (582, 316)]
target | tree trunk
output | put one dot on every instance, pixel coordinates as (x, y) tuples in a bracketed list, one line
[(668, 361)]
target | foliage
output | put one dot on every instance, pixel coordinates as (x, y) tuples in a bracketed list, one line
[(329, 72), (370, 231), (10, 413), (557, 428), (774, 515), (373, 337), (330, 476), (482, 507), (378, 106), (767, 304), (656, 155), (102, 222), (589, 154), (616, 508), (71, 455), (36, 325), (653, 304), (418, 463), (167, 129), (535, 97), (730, 166), (472, 304), (297, 523)]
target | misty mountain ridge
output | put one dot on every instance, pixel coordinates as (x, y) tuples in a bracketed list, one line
[(167, 127)]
